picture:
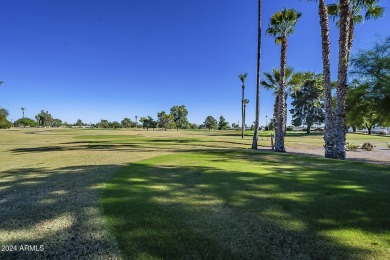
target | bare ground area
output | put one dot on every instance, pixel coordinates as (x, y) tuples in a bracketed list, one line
[(378, 155)]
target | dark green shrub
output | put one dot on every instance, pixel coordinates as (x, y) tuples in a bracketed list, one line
[(4, 123), (23, 122)]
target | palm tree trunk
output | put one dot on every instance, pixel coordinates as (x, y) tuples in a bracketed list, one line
[(285, 114), (340, 133), (329, 124), (276, 107), (257, 119), (242, 113), (279, 144)]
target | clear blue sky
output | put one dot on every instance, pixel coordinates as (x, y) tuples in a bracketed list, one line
[(110, 59)]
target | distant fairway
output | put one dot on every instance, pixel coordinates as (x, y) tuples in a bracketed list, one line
[(51, 181)]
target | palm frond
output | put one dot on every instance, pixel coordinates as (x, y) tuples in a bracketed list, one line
[(242, 77)]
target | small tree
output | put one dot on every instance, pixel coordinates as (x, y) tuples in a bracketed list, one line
[(4, 123), (103, 124), (79, 123), (164, 119), (148, 122), (362, 110), (126, 122), (116, 125), (222, 124), (308, 102), (179, 115), (44, 119), (56, 122), (210, 123)]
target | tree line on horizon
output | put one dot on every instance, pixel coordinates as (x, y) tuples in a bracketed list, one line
[(176, 119)]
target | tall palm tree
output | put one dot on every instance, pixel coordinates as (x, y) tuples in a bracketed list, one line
[(340, 131), (329, 113), (360, 10), (349, 13), (242, 77), (257, 119), (272, 82), (281, 25), (23, 108)]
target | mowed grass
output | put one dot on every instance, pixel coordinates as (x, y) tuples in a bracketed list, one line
[(249, 205), (51, 181)]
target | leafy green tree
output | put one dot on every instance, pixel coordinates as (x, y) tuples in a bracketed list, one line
[(210, 123), (164, 119), (126, 122), (148, 122), (361, 108), (222, 124), (44, 119), (103, 123), (23, 122), (193, 126), (79, 122), (242, 77), (56, 122), (3, 112), (235, 126), (281, 25), (4, 123), (372, 68), (115, 125), (179, 115), (308, 102)]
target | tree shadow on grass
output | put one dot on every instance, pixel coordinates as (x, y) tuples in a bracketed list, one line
[(286, 211), (57, 209)]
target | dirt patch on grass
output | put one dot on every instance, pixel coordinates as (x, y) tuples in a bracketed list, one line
[(377, 155)]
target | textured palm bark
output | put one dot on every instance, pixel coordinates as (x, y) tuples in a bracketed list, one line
[(257, 119), (276, 108), (340, 129), (329, 118), (279, 142)]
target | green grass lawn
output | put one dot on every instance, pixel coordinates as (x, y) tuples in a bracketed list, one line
[(188, 194), (249, 205)]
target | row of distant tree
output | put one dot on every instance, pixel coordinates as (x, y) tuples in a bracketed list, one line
[(176, 119)]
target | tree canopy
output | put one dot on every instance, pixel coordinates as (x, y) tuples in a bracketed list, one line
[(372, 69), (308, 102), (179, 115), (210, 123)]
